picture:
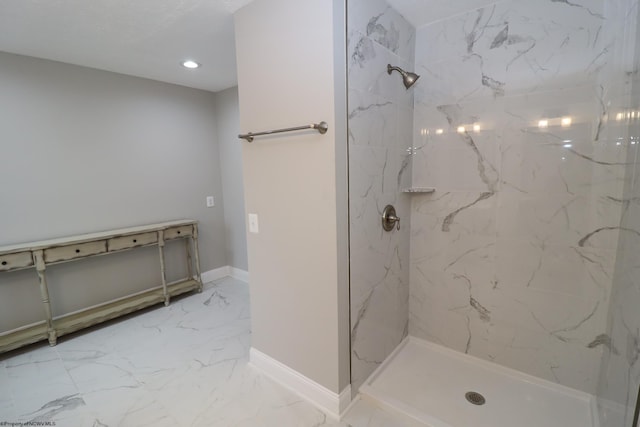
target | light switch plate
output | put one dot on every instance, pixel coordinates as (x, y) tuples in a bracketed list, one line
[(210, 202), (253, 223)]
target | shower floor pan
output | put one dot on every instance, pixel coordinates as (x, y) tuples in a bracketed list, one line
[(427, 383)]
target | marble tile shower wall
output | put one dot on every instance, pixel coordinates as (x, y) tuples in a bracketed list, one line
[(512, 257), (380, 131), (620, 369)]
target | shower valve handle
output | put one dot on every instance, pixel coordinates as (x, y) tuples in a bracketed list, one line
[(396, 220), (390, 219)]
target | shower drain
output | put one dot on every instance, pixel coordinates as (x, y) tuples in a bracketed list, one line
[(475, 398)]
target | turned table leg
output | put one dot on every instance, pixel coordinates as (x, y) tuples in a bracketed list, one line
[(163, 274), (44, 293), (187, 245), (197, 252)]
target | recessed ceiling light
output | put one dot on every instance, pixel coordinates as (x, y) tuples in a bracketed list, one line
[(190, 64)]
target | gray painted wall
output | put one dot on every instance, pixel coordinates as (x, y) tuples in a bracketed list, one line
[(86, 150), (227, 117)]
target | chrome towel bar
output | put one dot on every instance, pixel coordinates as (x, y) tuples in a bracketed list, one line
[(321, 127)]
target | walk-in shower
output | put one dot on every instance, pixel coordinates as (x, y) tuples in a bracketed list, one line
[(521, 264)]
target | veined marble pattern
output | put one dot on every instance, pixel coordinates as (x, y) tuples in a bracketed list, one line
[(182, 365), (512, 258), (619, 380), (380, 133)]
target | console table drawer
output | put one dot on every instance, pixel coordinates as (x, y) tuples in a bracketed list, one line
[(16, 260), (64, 253), (175, 232), (126, 242)]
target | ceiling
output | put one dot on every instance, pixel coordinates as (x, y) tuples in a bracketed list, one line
[(150, 38), (423, 12), (144, 38)]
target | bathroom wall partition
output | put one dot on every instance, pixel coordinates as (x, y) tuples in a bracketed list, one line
[(519, 120), (380, 131)]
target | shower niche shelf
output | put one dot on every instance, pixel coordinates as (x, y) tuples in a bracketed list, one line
[(419, 190)]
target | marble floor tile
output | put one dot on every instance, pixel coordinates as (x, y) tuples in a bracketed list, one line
[(6, 399), (182, 365)]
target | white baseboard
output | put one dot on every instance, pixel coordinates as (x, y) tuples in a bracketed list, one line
[(215, 274), (236, 273), (226, 271), (333, 404)]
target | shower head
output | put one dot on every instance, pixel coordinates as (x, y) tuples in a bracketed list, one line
[(407, 78)]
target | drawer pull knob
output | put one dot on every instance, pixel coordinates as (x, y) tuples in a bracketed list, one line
[(77, 251), (135, 240), (4, 262)]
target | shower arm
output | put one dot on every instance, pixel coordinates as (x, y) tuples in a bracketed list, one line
[(391, 68)]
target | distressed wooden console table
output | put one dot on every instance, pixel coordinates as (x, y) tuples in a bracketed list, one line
[(39, 255)]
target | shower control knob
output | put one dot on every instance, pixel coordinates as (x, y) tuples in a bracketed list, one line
[(390, 219)]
